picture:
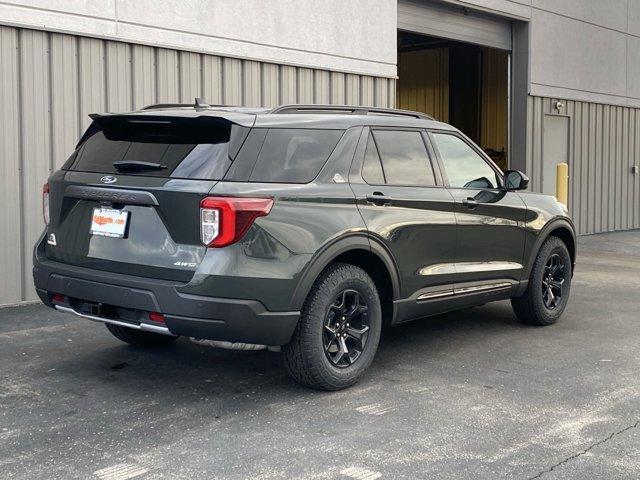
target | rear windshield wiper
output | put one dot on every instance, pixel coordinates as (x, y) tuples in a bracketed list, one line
[(130, 165)]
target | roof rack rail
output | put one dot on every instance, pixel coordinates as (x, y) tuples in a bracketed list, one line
[(350, 109)]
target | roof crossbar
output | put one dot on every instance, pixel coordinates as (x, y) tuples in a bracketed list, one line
[(349, 109)]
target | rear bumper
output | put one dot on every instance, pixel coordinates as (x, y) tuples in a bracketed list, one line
[(233, 320)]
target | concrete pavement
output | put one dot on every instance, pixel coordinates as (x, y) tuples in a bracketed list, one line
[(473, 394)]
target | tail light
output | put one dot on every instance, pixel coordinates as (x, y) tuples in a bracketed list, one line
[(224, 220), (156, 317), (58, 297), (45, 203)]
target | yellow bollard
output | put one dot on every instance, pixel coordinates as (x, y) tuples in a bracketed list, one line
[(562, 183)]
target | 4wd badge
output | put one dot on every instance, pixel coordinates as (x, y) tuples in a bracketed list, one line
[(184, 264)]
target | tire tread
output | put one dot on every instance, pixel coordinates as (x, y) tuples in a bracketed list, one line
[(529, 307), (297, 361)]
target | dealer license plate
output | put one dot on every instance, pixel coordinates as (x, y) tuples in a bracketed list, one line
[(109, 222)]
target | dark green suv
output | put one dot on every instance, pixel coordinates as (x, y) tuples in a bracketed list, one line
[(305, 227)]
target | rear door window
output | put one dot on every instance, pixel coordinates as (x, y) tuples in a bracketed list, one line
[(372, 168), (399, 158), (291, 155), (196, 148)]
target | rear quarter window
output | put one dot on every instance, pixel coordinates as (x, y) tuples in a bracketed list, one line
[(293, 155)]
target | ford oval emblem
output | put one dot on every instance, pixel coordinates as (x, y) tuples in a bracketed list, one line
[(109, 179)]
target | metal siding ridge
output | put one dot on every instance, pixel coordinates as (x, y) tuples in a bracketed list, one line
[(10, 159)]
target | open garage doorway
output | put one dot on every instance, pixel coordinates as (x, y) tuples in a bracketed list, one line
[(460, 83)]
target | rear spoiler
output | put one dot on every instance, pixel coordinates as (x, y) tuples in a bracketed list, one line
[(122, 126)]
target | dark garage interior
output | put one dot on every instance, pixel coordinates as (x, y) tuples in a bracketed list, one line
[(459, 83)]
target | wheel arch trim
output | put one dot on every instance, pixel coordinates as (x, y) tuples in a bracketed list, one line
[(344, 244), (545, 233)]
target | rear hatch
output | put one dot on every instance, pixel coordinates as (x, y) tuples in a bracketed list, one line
[(128, 199)]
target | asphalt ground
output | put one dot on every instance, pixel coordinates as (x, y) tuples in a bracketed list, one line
[(472, 394)]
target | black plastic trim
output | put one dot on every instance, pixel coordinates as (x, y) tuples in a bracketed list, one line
[(324, 257), (551, 225), (233, 320), (113, 195)]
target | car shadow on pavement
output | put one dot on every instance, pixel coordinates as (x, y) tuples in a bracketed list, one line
[(187, 370)]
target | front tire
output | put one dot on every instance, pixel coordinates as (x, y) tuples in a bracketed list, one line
[(138, 338), (549, 285), (338, 332)]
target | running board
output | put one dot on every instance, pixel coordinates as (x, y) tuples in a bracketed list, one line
[(142, 326), (491, 287)]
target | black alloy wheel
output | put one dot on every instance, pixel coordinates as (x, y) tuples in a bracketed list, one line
[(337, 335), (549, 285), (553, 280), (346, 329)]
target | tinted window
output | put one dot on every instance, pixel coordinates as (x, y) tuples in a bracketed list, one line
[(404, 158), (465, 168), (371, 168), (186, 148), (294, 155)]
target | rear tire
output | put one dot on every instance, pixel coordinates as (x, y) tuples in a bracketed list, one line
[(549, 285), (338, 332), (138, 338)]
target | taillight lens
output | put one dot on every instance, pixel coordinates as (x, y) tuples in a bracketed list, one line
[(58, 297), (224, 220), (45, 203), (156, 317)]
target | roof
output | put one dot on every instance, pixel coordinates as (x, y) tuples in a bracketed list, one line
[(297, 115)]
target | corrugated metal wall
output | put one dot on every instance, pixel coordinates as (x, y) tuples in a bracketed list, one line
[(495, 102), (50, 82), (604, 143), (424, 84)]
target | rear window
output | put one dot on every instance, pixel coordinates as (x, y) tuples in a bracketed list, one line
[(293, 155), (199, 148)]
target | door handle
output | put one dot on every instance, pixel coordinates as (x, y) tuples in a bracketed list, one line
[(377, 198), (470, 203)]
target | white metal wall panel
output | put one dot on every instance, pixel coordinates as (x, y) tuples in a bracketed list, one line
[(252, 87), (352, 83), (11, 244), (190, 75), (118, 76), (167, 77), (91, 74), (603, 147), (50, 82), (367, 92), (381, 92), (212, 79), (337, 88), (143, 75), (305, 85), (35, 130), (270, 84), (321, 87), (445, 21), (288, 85), (231, 81), (65, 127), (391, 93)]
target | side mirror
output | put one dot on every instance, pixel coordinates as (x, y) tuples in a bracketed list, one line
[(515, 180)]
